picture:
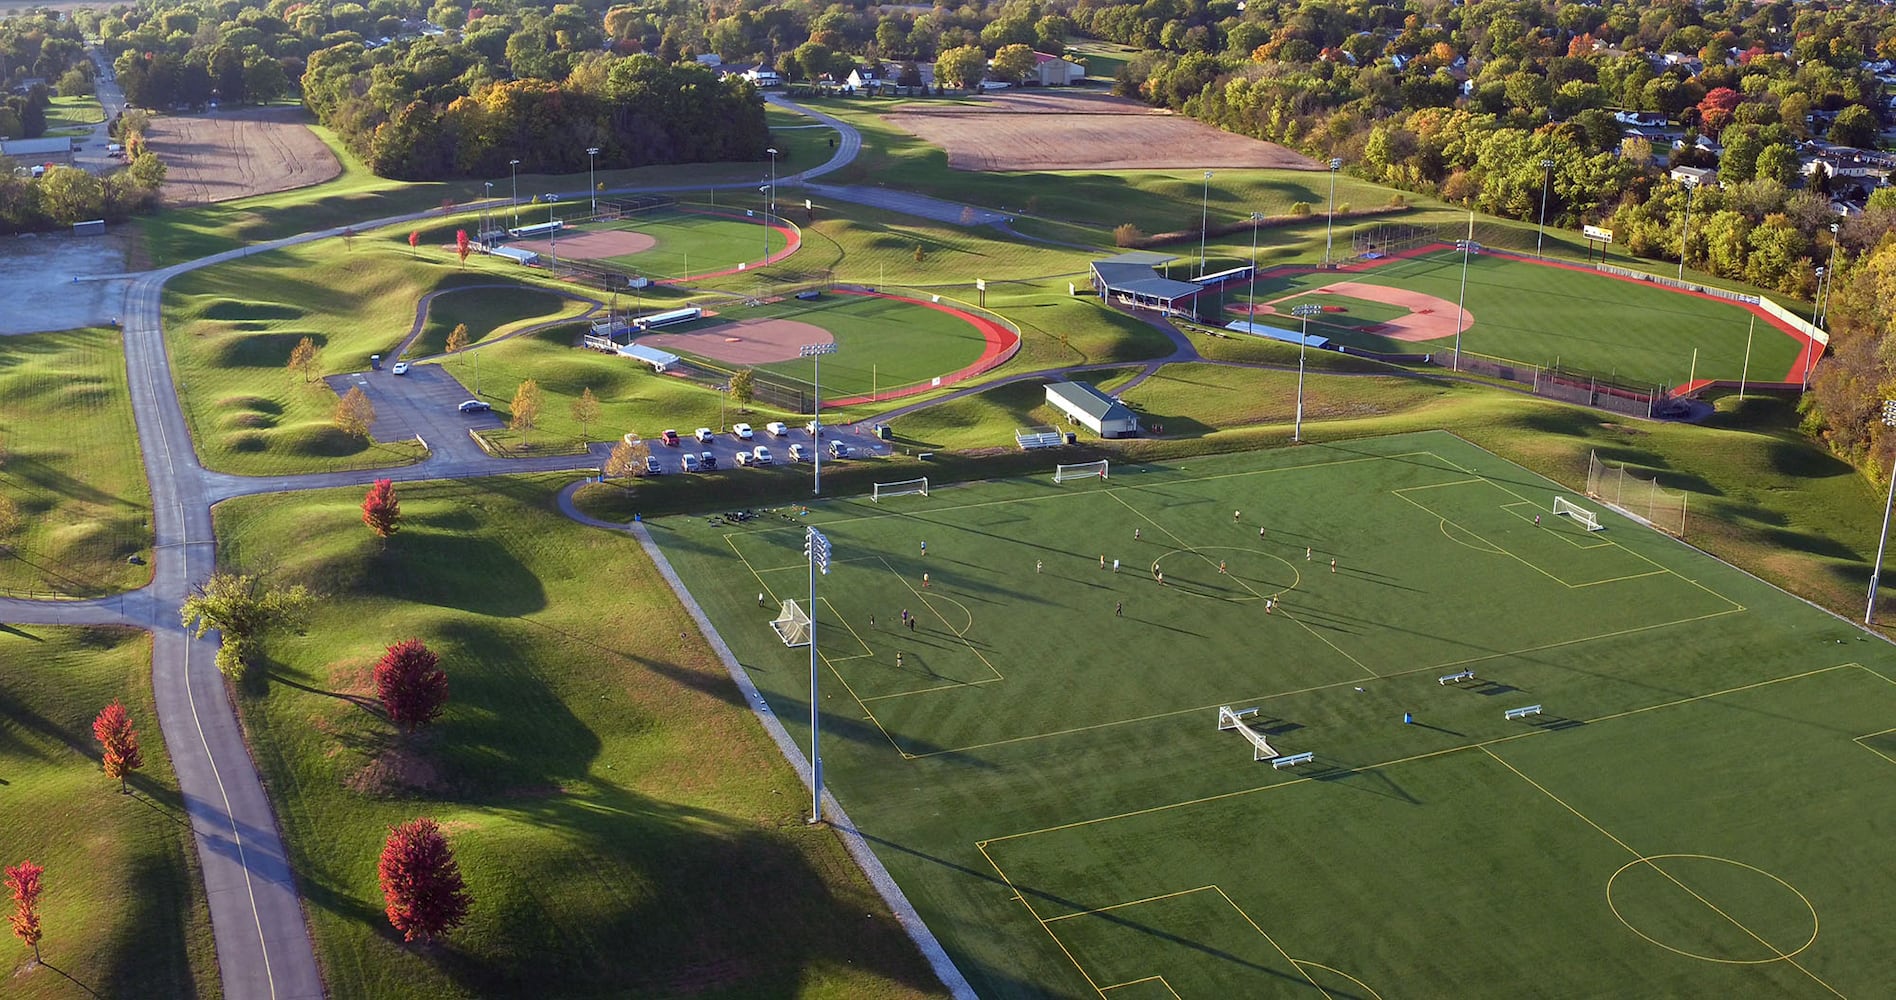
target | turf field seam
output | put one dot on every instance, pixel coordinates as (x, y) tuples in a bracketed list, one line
[(1654, 865), (1478, 745)]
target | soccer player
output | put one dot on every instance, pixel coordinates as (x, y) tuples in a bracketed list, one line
[(924, 550), (1161, 578), (898, 659), (1221, 567), (1537, 520), (1119, 609), (1332, 564), (1135, 534), (1236, 516), (760, 598), (1260, 534), (872, 621), (1036, 565), (1306, 553), (1115, 565), (911, 623), (1102, 560), (924, 581)]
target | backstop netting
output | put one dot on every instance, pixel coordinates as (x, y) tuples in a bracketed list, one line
[(792, 625), (1386, 238), (882, 491), (1081, 470), (1637, 496)]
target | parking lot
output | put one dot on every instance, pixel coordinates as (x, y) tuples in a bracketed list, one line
[(422, 402), (724, 447)]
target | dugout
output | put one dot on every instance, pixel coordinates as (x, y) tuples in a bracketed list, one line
[(1130, 280), (1093, 409)]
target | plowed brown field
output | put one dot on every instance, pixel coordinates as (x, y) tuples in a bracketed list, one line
[(1043, 130), (234, 154)]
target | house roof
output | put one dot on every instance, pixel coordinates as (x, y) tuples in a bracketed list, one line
[(1140, 279), (1090, 401), (35, 147)]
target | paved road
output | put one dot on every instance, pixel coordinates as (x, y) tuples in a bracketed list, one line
[(262, 936)]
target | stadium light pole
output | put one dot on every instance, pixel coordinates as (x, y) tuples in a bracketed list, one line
[(552, 233), (818, 548), (487, 211), (765, 191), (1204, 222), (1467, 246), (1691, 188), (1250, 313), (773, 178), (514, 202), (591, 187), (815, 353), (1547, 181), (1889, 420), (1304, 312), (1330, 227)]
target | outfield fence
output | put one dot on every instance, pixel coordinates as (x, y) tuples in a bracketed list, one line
[(1565, 383), (1637, 497)]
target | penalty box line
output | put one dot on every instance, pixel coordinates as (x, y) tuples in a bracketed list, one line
[(1477, 745)]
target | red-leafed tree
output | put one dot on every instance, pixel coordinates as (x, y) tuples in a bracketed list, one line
[(414, 240), (420, 881), (381, 510), (411, 683), (23, 880), (113, 729), (1716, 110), (461, 246)]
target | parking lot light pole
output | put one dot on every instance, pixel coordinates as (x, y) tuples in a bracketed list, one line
[(514, 202), (1869, 613), (817, 547), (591, 187), (1304, 311), (1330, 227), (815, 353)]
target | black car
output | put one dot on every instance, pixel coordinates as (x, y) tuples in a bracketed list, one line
[(475, 406)]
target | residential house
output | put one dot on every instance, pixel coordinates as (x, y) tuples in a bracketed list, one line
[(1695, 176), (1053, 71)]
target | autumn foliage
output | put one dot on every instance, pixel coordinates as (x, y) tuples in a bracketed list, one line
[(23, 880), (461, 246), (113, 729), (411, 683), (381, 511), (420, 881)]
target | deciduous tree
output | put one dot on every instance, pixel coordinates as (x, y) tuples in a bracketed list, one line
[(526, 408), (420, 881), (628, 458), (23, 881), (961, 66), (585, 410), (381, 510), (457, 338), (411, 684), (1013, 62), (240, 607), (304, 357), (119, 742), (743, 389), (1716, 110), (10, 519), (462, 247), (414, 240), (354, 413)]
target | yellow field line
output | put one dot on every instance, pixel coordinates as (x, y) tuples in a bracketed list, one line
[(1858, 740), (1130, 902), (1480, 744), (1320, 637), (1654, 865), (1149, 979), (1437, 486), (1273, 941), (1043, 924)]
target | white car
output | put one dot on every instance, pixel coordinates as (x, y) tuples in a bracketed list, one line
[(743, 431), (401, 368), (777, 428), (743, 458), (760, 455), (688, 462), (703, 434), (798, 453)]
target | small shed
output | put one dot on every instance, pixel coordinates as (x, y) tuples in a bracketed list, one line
[(1053, 71), (1093, 409)]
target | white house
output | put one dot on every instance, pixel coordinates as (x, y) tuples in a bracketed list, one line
[(1093, 409), (865, 78), (764, 77), (1695, 176)]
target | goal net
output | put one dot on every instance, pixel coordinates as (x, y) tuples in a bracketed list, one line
[(792, 625), (1643, 498), (902, 488), (1584, 516), (1234, 719), (1082, 470)]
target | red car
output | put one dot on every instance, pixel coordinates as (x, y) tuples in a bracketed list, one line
[(670, 438)]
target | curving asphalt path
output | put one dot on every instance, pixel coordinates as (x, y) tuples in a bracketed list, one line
[(257, 919)]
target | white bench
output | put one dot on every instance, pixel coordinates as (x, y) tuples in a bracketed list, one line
[(1521, 713), (1466, 675), (1293, 760)]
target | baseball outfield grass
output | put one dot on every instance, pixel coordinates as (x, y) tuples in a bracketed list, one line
[(70, 467), (692, 242), (624, 825), (123, 909), (1044, 773)]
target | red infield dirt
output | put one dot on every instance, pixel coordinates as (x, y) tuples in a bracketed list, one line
[(1068, 130), (591, 245), (235, 154), (1429, 317), (745, 342)]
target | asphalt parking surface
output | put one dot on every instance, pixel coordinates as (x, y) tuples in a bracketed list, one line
[(422, 403), (725, 446)]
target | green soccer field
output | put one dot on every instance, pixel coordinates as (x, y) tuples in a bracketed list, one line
[(1700, 808), (1544, 315), (691, 243)]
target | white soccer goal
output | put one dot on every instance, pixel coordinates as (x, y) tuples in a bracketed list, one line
[(1229, 718), (1584, 516), (792, 625), (902, 488), (1082, 470)]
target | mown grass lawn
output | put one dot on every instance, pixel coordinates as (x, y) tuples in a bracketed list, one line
[(77, 111), (625, 826), (123, 911), (484, 310), (71, 466)]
